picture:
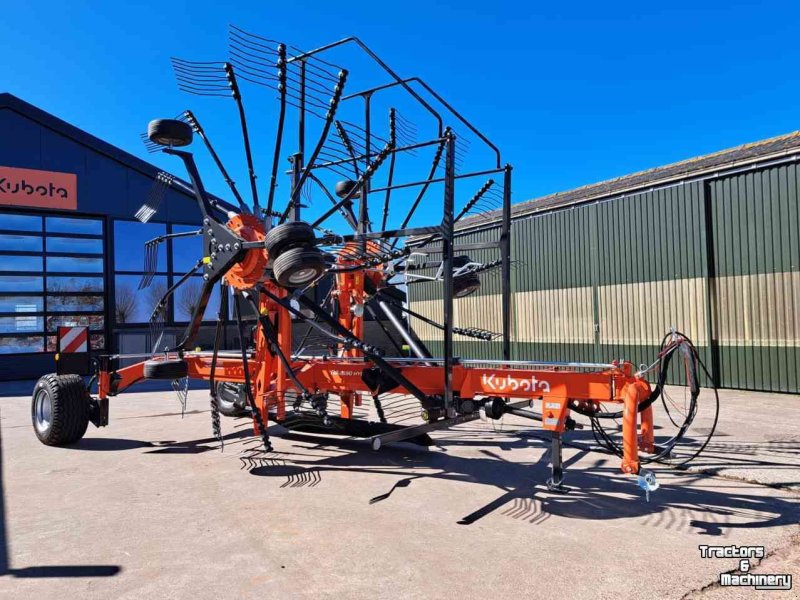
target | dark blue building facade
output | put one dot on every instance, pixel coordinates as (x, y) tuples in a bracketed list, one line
[(70, 248)]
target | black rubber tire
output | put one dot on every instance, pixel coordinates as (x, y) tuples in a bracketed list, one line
[(461, 261), (166, 369), (345, 187), (67, 400), (293, 234), (465, 285), (231, 399), (169, 132), (296, 261)]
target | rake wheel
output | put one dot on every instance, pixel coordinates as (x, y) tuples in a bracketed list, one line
[(169, 132), (298, 267), (288, 235)]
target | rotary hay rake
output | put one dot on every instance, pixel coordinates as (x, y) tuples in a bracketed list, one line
[(269, 257)]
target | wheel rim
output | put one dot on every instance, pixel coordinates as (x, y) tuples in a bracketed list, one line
[(303, 275), (42, 410), (227, 396)]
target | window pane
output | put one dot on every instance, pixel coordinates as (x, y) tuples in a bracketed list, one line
[(21, 304), (20, 283), (129, 240), (186, 251), (20, 243), (32, 264), (63, 264), (74, 303), (91, 321), (21, 324), (75, 245), (70, 225), (74, 284), (20, 222), (187, 296), (133, 305), (15, 345)]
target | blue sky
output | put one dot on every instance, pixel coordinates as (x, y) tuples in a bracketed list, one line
[(572, 92)]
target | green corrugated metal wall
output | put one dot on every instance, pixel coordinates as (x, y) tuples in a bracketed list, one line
[(719, 259), (755, 227)]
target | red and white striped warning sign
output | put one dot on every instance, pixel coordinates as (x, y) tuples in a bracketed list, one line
[(73, 339)]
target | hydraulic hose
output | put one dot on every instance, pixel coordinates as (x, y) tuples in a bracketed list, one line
[(680, 343)]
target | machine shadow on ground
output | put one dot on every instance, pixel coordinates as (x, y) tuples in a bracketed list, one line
[(709, 506)]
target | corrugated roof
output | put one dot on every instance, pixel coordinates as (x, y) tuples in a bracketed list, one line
[(724, 159)]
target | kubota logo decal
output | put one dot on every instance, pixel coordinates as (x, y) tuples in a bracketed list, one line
[(41, 189), (514, 384)]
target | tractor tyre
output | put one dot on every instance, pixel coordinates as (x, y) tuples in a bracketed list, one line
[(60, 409)]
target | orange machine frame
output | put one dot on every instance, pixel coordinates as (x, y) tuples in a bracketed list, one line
[(342, 375)]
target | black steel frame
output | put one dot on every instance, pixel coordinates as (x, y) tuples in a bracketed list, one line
[(251, 55)]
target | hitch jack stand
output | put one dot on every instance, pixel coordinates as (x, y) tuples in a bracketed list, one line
[(555, 481)]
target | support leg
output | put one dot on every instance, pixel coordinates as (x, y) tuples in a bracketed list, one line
[(347, 401), (634, 393), (555, 482), (646, 435)]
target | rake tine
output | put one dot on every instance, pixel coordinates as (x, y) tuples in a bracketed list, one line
[(154, 197), (150, 266), (151, 147)]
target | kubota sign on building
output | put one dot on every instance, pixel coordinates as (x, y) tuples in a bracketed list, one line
[(40, 189)]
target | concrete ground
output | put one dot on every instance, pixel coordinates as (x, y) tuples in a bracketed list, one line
[(150, 508)]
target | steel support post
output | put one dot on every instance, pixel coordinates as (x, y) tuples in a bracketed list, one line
[(297, 168), (447, 266), (363, 212), (556, 481), (505, 257)]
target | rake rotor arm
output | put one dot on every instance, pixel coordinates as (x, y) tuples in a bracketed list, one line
[(198, 189), (348, 146), (348, 199), (329, 118), (467, 207), (216, 203), (198, 129), (273, 181), (199, 310), (237, 97)]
